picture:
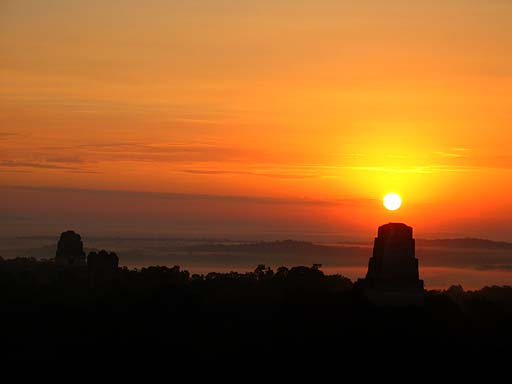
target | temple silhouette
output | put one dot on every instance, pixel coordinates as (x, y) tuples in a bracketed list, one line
[(393, 276), (102, 266), (70, 250)]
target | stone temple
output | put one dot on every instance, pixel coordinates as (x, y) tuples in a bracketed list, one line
[(393, 276), (70, 250)]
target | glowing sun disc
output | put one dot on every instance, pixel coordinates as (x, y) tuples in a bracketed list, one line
[(392, 201)]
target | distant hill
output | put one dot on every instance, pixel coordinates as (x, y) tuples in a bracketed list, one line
[(273, 247), (286, 246), (469, 242)]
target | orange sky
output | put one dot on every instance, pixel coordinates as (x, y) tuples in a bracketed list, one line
[(254, 117)]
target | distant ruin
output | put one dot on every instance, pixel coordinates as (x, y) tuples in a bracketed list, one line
[(70, 250)]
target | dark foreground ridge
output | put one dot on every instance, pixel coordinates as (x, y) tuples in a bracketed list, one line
[(67, 311)]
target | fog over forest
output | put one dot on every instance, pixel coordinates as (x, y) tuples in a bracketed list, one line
[(472, 263)]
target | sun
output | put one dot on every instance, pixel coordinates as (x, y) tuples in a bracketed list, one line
[(392, 201)]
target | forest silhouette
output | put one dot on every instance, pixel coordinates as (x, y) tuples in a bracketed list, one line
[(56, 311)]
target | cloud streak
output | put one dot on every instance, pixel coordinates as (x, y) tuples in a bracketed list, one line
[(248, 173), (38, 165), (8, 135), (160, 152), (199, 197)]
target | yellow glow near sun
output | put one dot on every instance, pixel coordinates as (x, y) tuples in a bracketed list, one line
[(392, 201)]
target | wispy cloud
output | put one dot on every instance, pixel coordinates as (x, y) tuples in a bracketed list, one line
[(65, 160), (209, 157), (28, 164), (163, 152), (449, 154), (413, 169), (453, 152), (8, 135), (460, 149), (41, 165), (200, 197), (249, 173)]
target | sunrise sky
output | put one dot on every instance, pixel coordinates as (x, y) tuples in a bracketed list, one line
[(255, 118)]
